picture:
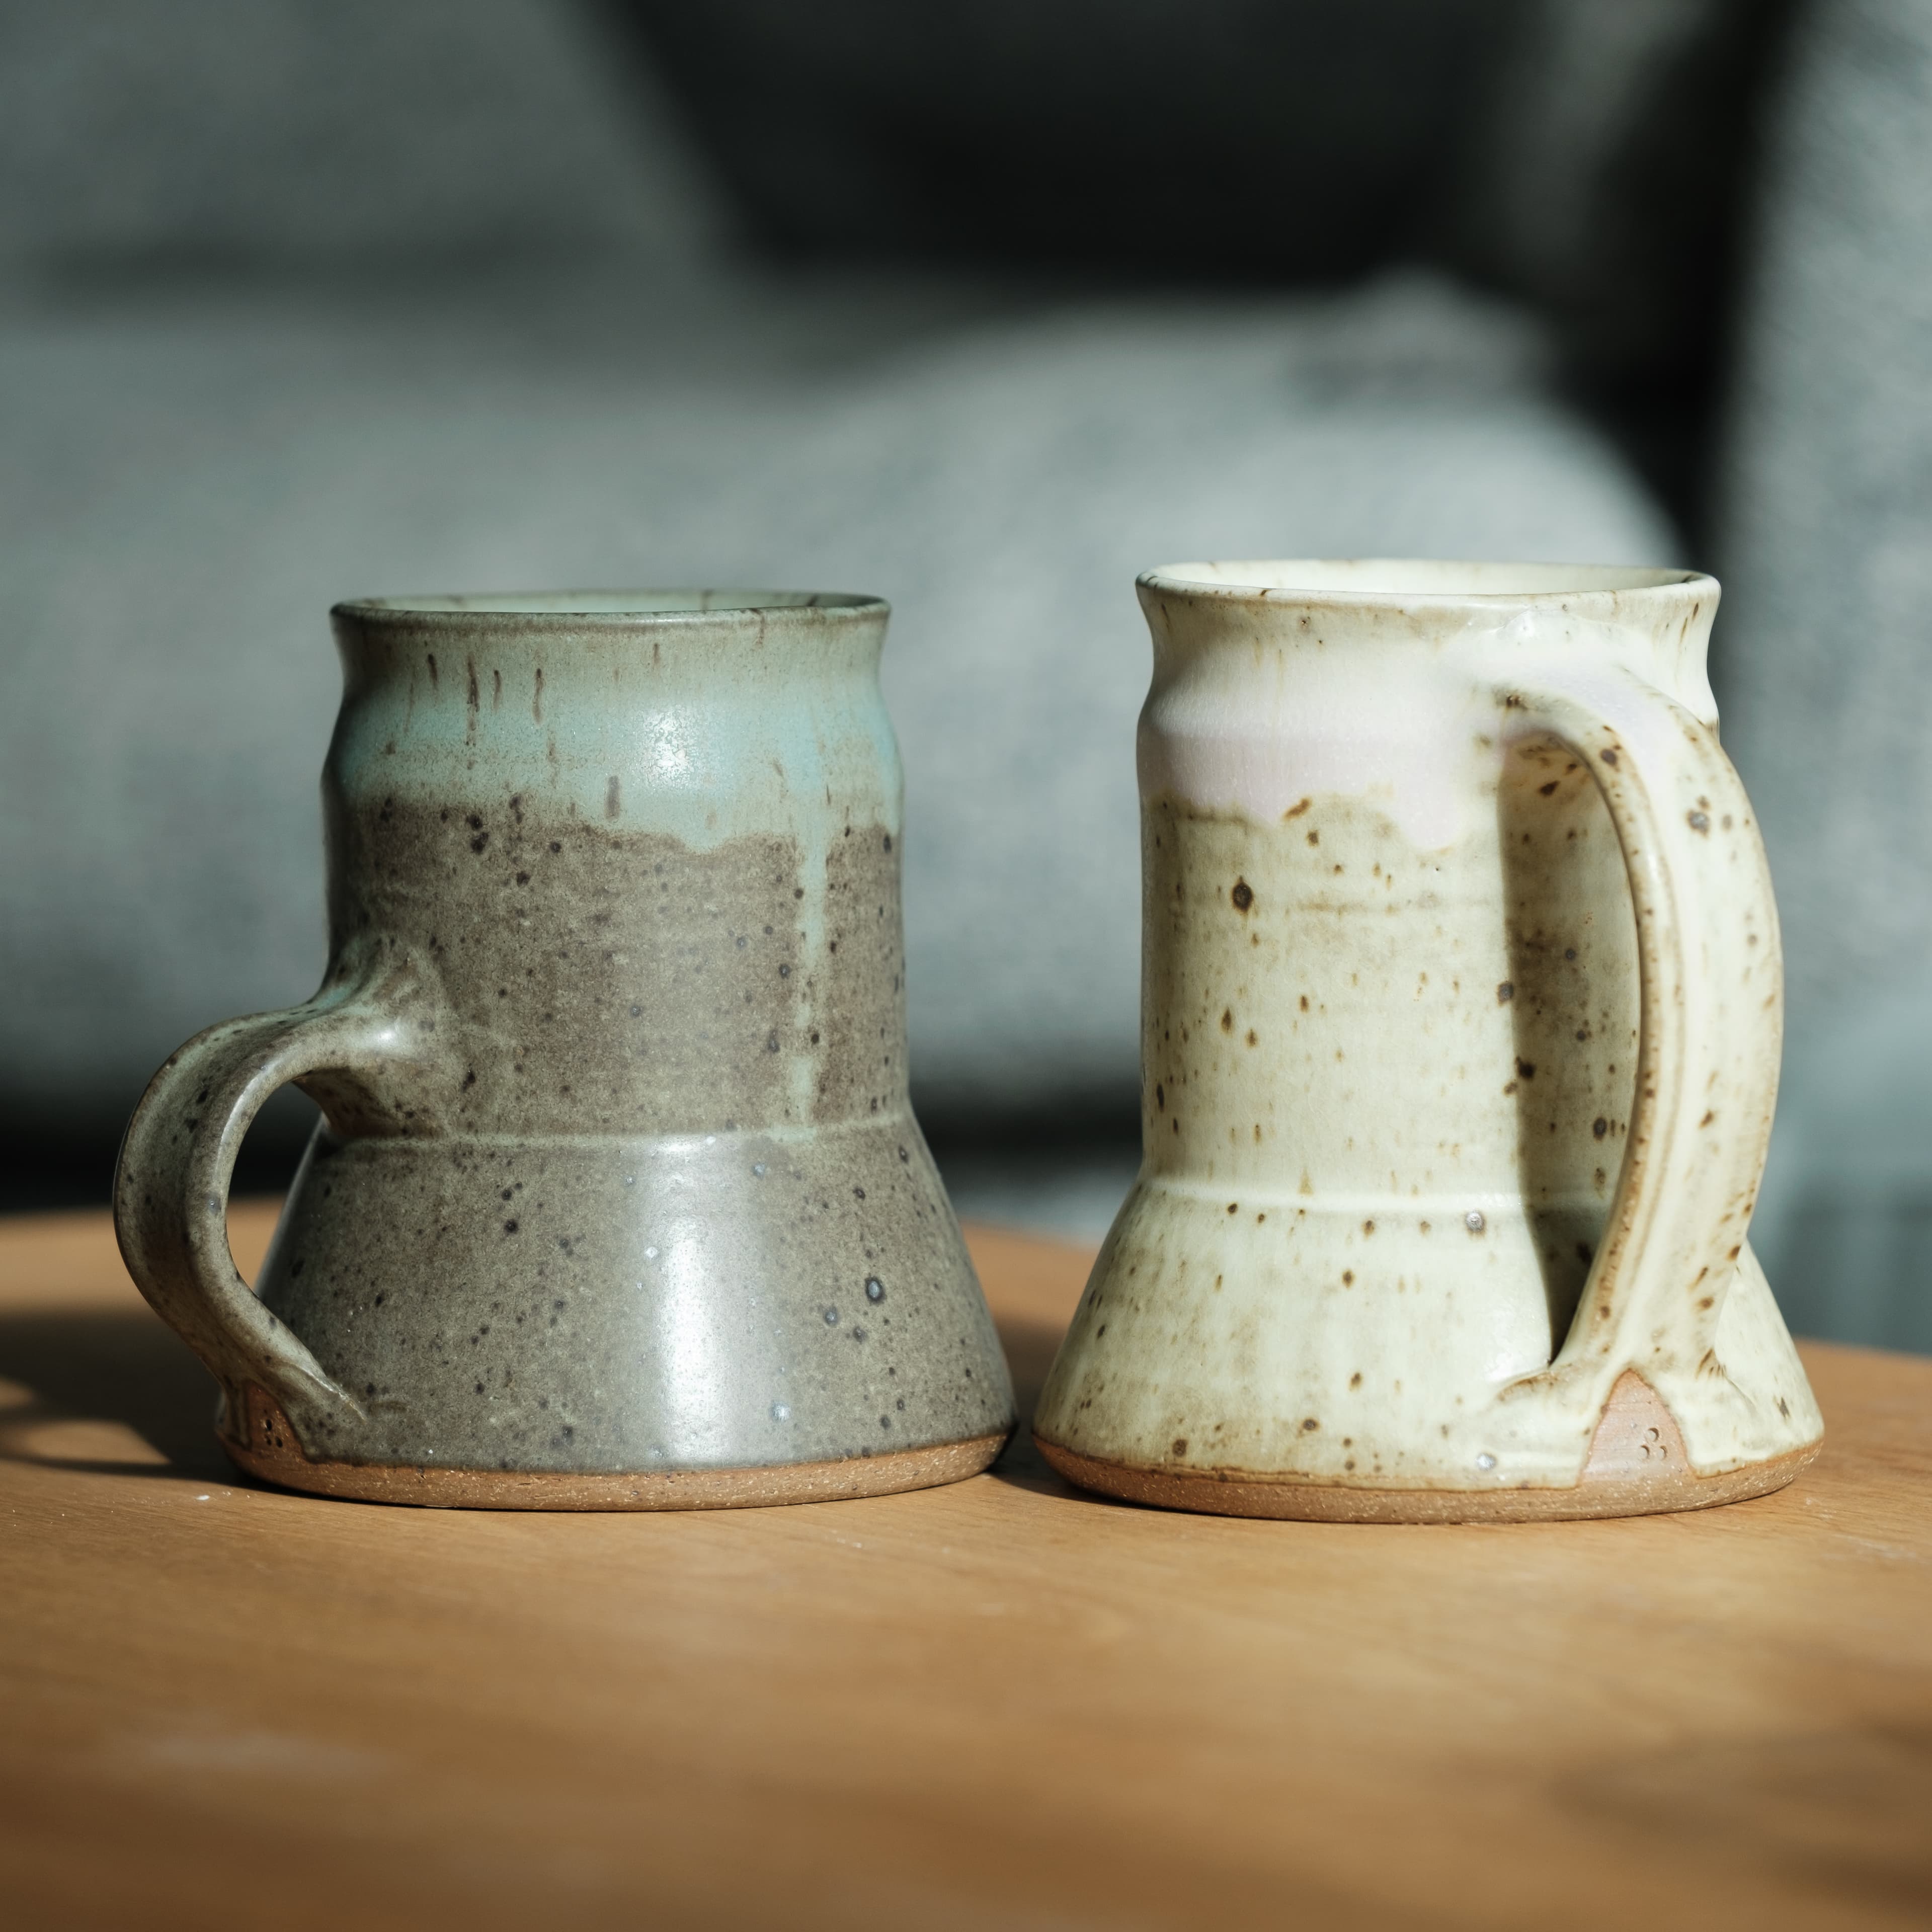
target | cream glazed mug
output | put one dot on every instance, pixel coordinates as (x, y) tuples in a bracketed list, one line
[(1460, 1021)]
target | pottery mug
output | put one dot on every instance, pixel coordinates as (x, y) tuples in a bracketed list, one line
[(617, 1201), (1460, 1027)]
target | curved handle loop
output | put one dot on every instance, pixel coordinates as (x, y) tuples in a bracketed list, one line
[(1712, 986), (346, 1047)]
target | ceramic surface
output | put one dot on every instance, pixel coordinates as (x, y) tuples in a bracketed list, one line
[(618, 1199), (1461, 1004)]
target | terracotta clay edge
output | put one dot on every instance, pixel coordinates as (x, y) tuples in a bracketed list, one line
[(1256, 1495), (890, 1474)]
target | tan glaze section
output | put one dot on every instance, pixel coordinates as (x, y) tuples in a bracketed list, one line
[(272, 1453), (1298, 974), (1637, 1467), (611, 980)]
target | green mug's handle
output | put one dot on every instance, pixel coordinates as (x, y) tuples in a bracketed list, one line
[(1711, 981), (346, 1047)]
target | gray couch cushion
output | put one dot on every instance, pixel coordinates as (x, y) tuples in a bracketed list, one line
[(226, 132), (193, 468), (186, 483), (1826, 676), (1845, 1226)]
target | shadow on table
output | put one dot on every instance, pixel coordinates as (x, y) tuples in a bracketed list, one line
[(121, 1367), (108, 1365), (1029, 1348)]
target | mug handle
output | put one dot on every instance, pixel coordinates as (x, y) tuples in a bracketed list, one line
[(1711, 981), (345, 1047)]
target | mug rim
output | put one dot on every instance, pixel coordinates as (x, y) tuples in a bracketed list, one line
[(1429, 580), (626, 609)]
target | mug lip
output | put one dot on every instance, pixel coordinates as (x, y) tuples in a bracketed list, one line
[(1459, 582), (627, 609)]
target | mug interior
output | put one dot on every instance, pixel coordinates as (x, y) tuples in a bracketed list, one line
[(607, 603), (1412, 577)]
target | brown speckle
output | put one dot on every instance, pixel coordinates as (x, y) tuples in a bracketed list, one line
[(1242, 895)]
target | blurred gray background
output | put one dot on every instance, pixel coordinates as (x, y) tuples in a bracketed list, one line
[(984, 307)]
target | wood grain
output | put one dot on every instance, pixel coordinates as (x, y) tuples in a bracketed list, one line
[(1005, 1703)]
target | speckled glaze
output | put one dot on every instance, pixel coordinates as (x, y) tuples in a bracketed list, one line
[(618, 1200), (1460, 1021)]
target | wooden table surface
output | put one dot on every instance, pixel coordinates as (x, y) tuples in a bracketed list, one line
[(1003, 1704)]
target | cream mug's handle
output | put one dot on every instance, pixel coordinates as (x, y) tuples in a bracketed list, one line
[(1711, 983), (177, 1157)]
